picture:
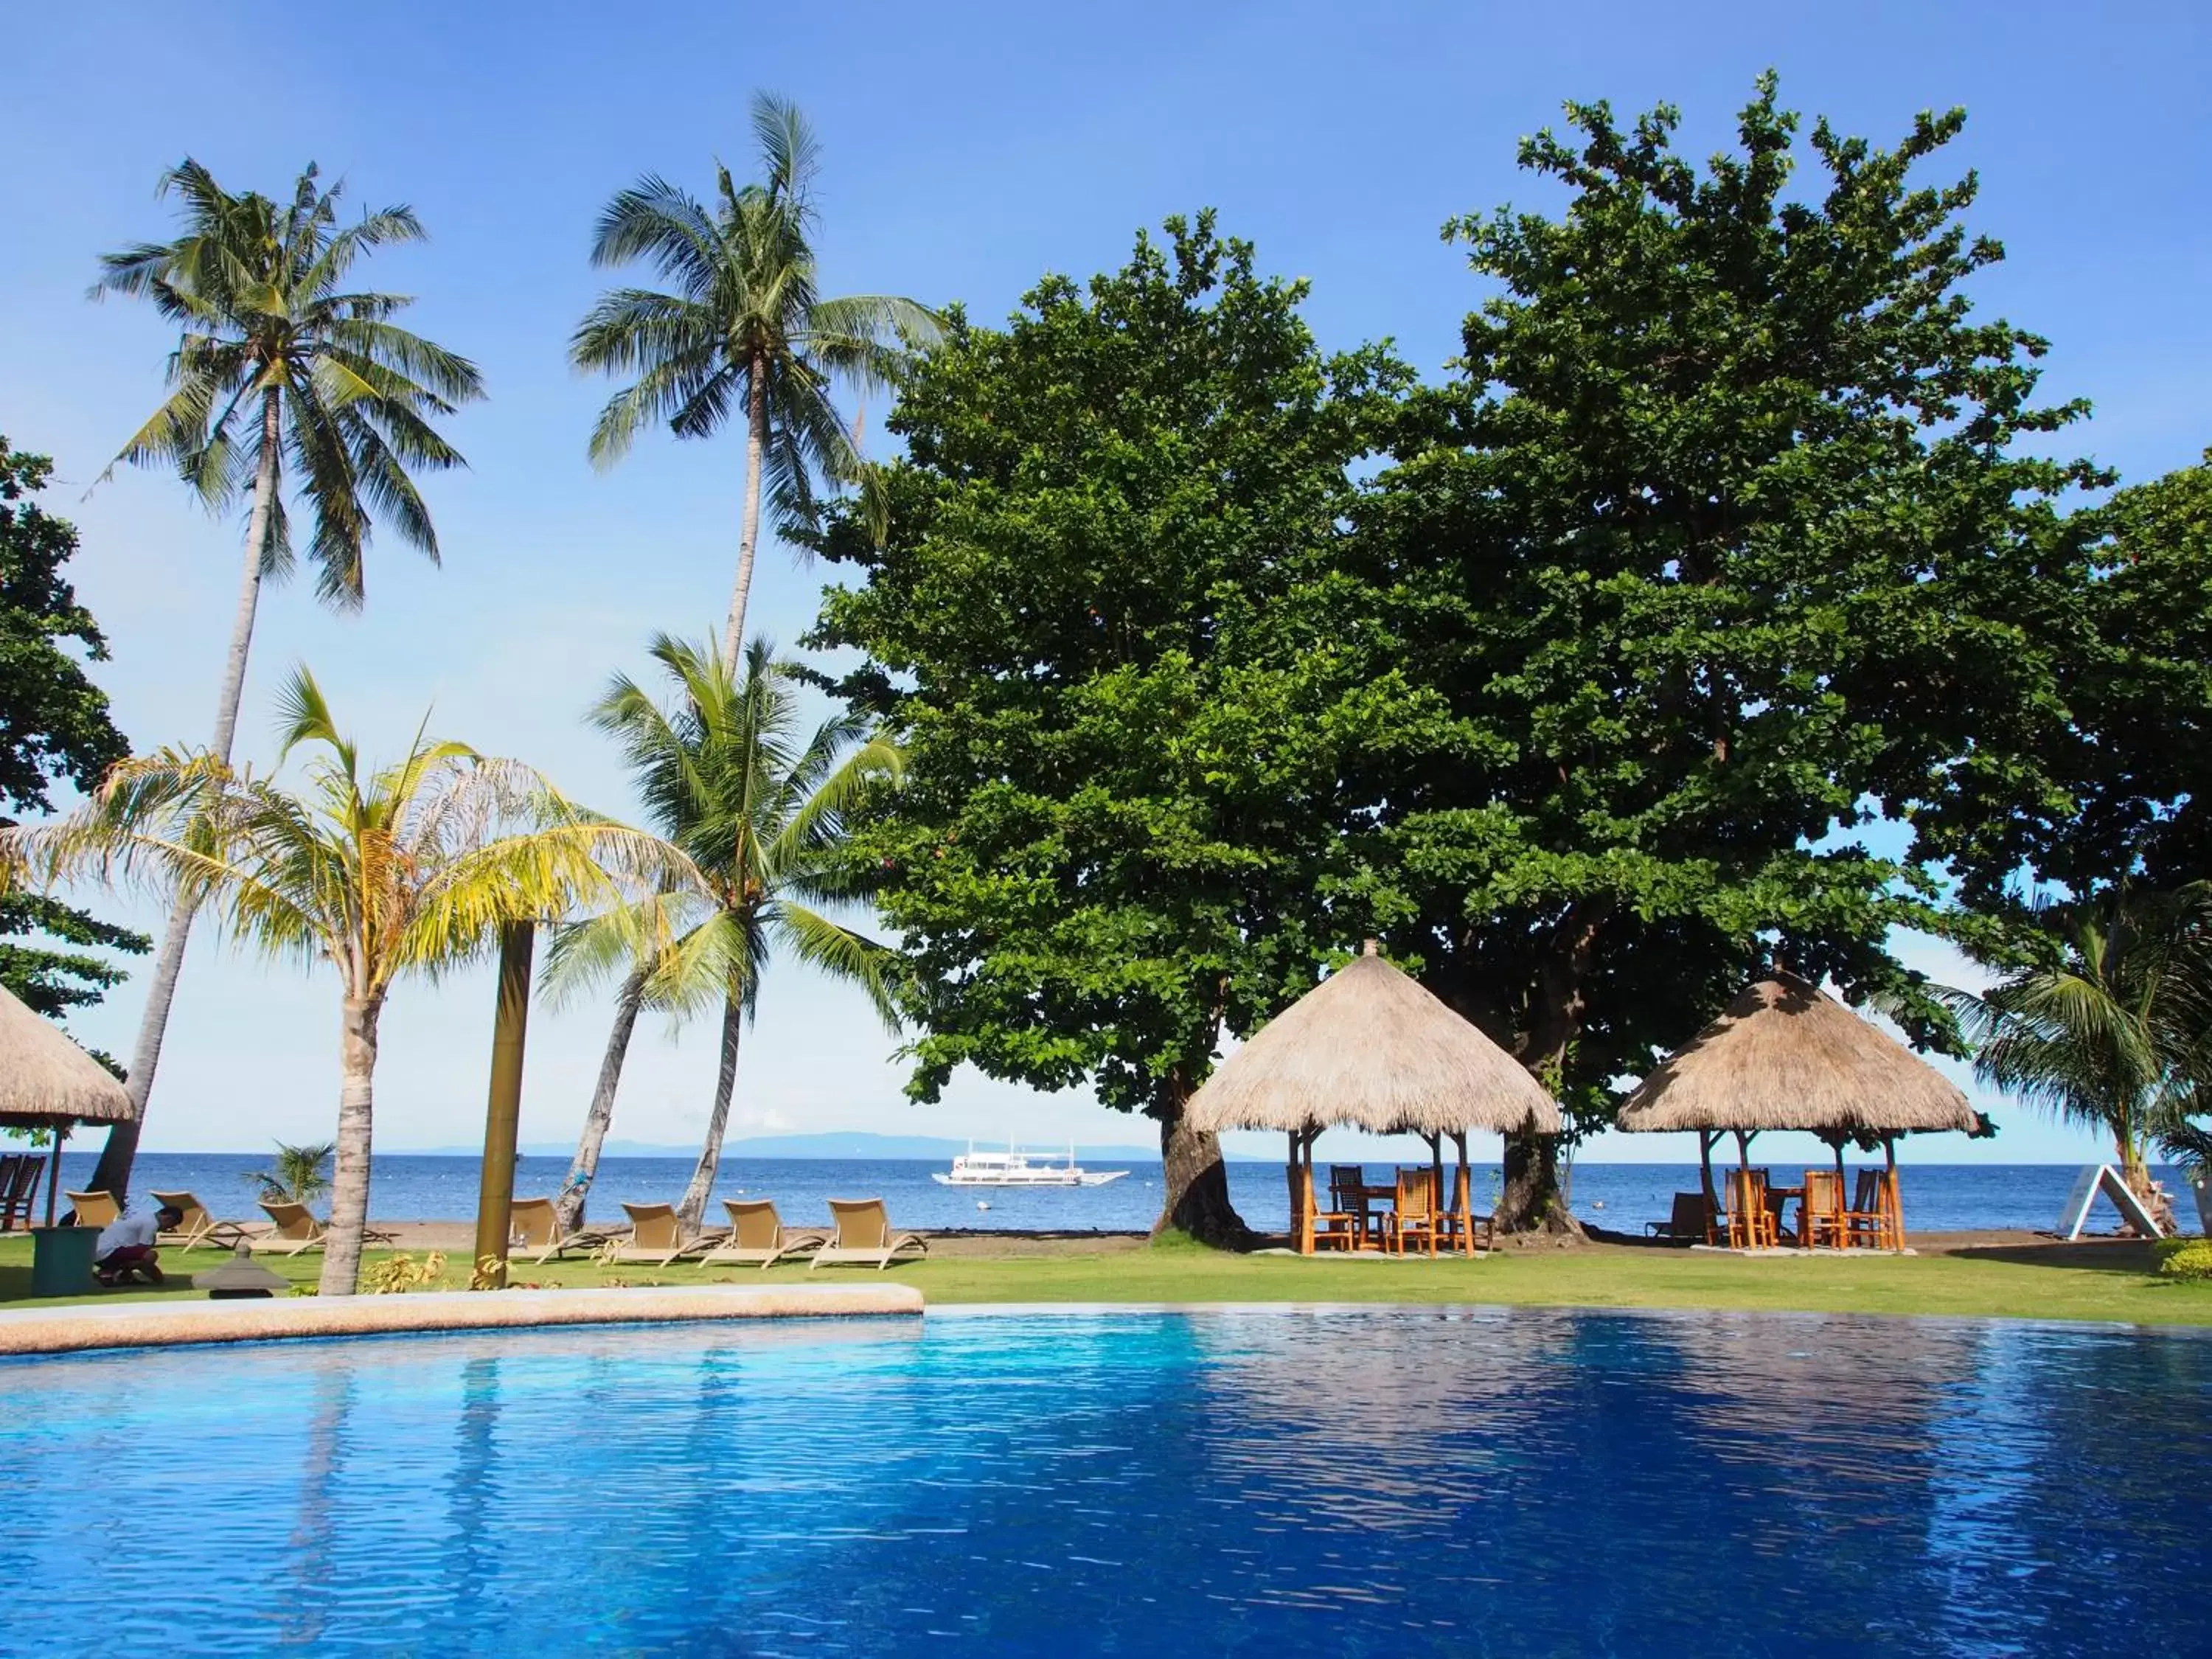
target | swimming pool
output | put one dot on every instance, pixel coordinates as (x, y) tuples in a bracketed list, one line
[(1342, 1482)]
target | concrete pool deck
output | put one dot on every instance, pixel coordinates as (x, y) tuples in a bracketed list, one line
[(80, 1328)]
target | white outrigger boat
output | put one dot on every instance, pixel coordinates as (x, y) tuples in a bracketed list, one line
[(1016, 1168)]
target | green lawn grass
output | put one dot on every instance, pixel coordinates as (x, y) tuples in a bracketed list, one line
[(2105, 1282)]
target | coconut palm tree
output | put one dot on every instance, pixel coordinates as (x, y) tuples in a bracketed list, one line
[(759, 815), (745, 330), (410, 869), (2110, 1030), (279, 366)]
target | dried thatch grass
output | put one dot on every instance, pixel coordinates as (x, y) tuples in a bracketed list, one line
[(1786, 1055), (1370, 1048), (45, 1077)]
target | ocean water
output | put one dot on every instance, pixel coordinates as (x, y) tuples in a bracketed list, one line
[(1377, 1482), (1938, 1198)]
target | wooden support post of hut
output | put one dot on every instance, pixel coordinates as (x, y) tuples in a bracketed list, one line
[(1786, 1055), (1370, 1048)]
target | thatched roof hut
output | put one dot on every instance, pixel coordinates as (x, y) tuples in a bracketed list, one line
[(45, 1079), (1786, 1055), (1368, 1048)]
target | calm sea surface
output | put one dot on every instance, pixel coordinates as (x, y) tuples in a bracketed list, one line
[(1379, 1482), (1938, 1198)]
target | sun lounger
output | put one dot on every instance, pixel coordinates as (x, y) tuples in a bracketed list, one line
[(199, 1225), (535, 1225), (756, 1235), (864, 1234), (19, 1189), (1691, 1221), (656, 1235), (292, 1228), (94, 1209)]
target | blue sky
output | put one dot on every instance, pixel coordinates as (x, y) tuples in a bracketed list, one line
[(967, 151)]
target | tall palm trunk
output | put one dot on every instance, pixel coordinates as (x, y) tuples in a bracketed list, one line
[(349, 1178), (748, 534), (725, 1081), (113, 1173), (569, 1207)]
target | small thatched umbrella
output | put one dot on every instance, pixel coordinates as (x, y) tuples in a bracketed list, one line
[(47, 1082), (1786, 1055), (1370, 1048)]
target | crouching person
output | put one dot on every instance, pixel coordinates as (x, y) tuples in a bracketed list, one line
[(125, 1250)]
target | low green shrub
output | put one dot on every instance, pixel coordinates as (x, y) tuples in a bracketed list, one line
[(2185, 1258)]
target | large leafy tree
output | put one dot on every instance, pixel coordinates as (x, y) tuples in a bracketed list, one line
[(54, 727), (284, 377), (758, 806), (746, 331), (379, 874), (1719, 547), (1100, 611)]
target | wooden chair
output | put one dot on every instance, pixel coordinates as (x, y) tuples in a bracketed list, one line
[(1313, 1228), (1821, 1212), (1347, 1196), (1750, 1221), (1415, 1217), (1461, 1226), (1872, 1221)]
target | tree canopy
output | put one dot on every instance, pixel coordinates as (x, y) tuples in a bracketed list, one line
[(1102, 624), (1719, 548), (54, 728)]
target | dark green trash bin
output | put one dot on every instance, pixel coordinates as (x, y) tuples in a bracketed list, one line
[(61, 1260)]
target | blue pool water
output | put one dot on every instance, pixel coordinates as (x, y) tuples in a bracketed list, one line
[(1269, 1483)]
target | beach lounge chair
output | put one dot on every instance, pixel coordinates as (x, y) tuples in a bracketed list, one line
[(656, 1235), (19, 1189), (1690, 1221), (534, 1225), (199, 1225), (864, 1234), (756, 1235), (94, 1209), (292, 1228)]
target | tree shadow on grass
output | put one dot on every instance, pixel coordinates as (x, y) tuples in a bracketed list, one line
[(2131, 1256), (16, 1289)]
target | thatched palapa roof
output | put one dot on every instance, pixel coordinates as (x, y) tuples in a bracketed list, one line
[(44, 1078), (1368, 1048), (1786, 1055)]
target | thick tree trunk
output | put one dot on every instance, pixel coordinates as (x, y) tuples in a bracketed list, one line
[(569, 1206), (733, 642), (694, 1206), (350, 1177), (1197, 1199), (1529, 1200), (113, 1173)]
